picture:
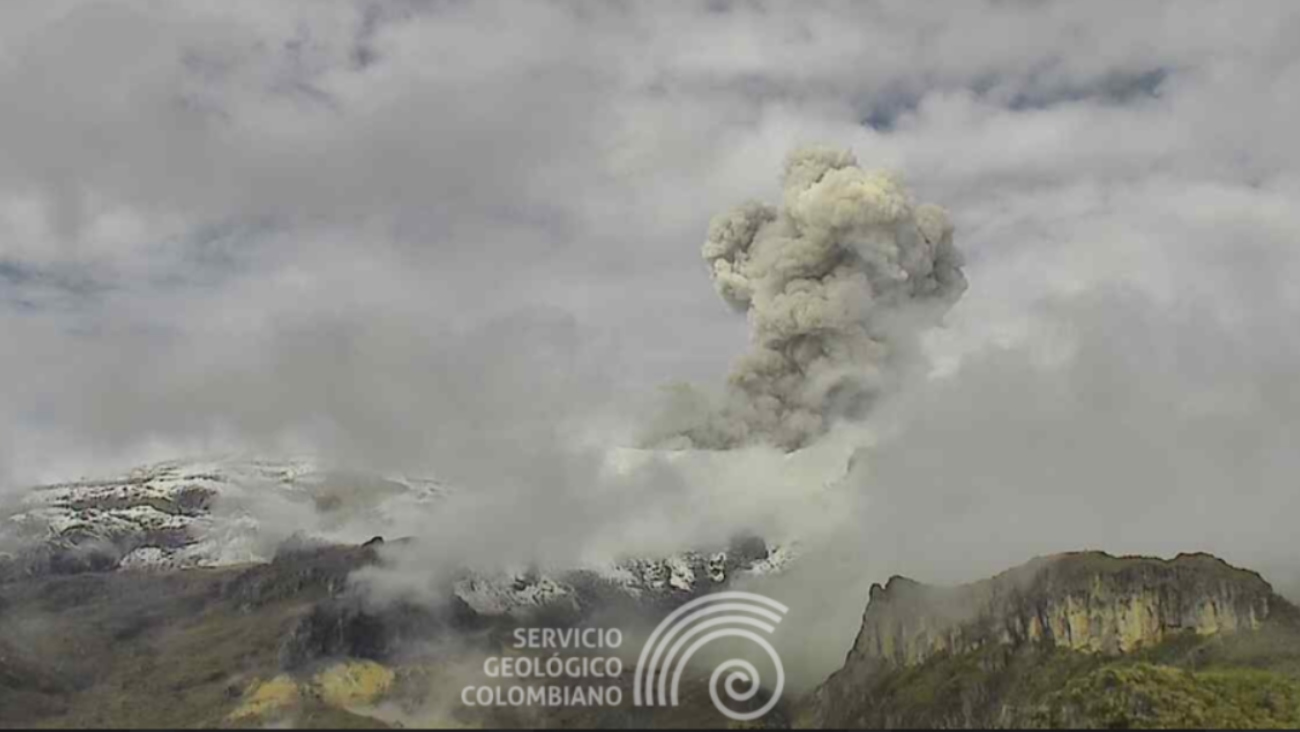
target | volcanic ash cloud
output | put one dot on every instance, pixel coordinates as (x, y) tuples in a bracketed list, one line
[(835, 282)]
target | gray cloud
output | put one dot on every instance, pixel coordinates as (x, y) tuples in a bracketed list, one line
[(835, 283), (427, 235), (1150, 429)]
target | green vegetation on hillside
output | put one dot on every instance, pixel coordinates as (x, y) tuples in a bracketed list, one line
[(1146, 696), (1243, 680)]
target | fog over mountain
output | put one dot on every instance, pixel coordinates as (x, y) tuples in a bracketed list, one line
[(464, 240)]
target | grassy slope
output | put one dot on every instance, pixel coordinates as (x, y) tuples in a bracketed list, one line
[(185, 649), (180, 649), (1147, 696), (151, 649)]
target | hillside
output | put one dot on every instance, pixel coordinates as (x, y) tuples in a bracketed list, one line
[(106, 619), (1073, 640)]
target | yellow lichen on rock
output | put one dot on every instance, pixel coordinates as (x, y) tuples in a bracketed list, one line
[(344, 685), (1078, 623), (353, 683), (1139, 623), (1035, 629), (268, 698)]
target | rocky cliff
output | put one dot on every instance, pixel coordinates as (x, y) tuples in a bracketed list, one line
[(1077, 640), (1086, 601), (980, 644)]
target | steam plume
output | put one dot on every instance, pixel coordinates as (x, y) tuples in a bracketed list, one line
[(835, 284)]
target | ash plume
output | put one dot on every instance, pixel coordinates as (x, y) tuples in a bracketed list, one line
[(836, 282)]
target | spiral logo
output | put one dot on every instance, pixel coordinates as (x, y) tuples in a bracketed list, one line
[(704, 619)]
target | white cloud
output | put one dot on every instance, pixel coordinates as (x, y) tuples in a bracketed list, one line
[(281, 222)]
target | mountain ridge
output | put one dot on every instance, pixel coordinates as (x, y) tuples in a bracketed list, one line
[(1062, 616), (106, 611)]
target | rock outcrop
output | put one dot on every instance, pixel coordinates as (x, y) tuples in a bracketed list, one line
[(1086, 601), (1083, 602)]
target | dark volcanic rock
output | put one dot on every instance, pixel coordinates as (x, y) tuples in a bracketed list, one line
[(345, 627)]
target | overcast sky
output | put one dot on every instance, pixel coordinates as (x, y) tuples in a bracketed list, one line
[(379, 228)]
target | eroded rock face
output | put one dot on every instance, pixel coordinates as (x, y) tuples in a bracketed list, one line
[(1086, 601)]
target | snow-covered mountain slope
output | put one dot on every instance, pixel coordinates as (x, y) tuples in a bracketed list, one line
[(221, 511), (662, 580), (212, 512)]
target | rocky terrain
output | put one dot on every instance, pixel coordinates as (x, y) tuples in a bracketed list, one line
[(1083, 639), (285, 642), (166, 598), (201, 513), (227, 511)]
